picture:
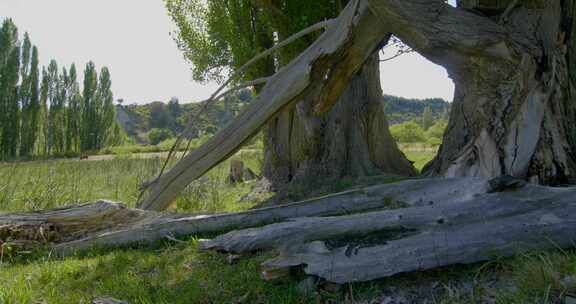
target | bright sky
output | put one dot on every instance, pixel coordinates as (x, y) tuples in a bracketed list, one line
[(132, 38)]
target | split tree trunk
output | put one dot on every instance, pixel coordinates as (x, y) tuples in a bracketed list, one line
[(352, 139), (514, 111)]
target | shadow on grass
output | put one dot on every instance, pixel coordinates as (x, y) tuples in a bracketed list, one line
[(174, 273)]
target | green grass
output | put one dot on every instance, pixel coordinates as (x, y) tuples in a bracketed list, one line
[(420, 158), (171, 274), (49, 184), (178, 273)]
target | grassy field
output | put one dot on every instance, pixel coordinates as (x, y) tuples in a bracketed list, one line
[(178, 273)]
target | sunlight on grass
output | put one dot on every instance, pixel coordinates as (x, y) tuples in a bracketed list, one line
[(49, 184), (172, 274), (169, 273)]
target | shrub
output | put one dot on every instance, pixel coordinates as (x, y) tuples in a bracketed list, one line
[(408, 132), (156, 136)]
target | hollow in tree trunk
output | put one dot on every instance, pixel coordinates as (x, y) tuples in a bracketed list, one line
[(514, 111)]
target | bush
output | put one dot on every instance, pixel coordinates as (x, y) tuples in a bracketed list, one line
[(156, 136), (408, 132), (435, 133)]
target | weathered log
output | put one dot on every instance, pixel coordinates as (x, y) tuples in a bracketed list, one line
[(436, 222), (379, 244), (549, 227), (432, 214), (105, 223)]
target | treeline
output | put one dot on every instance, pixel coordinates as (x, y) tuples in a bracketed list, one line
[(45, 112), (156, 121), (417, 120), (400, 109)]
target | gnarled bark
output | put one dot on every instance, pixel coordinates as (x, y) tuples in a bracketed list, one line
[(513, 111), (345, 237), (352, 139), (104, 224)]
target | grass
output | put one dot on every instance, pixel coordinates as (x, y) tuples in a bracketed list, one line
[(171, 274), (178, 273), (49, 184)]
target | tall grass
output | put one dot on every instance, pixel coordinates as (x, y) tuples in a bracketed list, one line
[(49, 184)]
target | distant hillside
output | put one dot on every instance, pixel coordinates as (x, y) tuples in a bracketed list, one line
[(399, 109), (138, 120)]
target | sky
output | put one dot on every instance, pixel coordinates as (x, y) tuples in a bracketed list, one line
[(132, 38)]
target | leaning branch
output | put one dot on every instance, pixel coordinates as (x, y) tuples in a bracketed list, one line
[(305, 76), (217, 95)]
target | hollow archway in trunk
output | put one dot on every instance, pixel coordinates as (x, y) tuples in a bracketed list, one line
[(513, 111), (416, 91)]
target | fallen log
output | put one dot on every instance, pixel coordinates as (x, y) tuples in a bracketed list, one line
[(104, 223), (342, 237), (373, 245), (432, 214), (547, 228)]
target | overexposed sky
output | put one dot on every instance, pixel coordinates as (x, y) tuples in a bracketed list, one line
[(132, 38)]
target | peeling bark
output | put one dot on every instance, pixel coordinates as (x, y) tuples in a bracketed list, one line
[(105, 224), (353, 236)]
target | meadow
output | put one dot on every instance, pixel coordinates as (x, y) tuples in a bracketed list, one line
[(176, 272)]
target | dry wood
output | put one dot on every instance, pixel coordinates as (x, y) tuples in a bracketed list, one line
[(435, 222), (104, 223), (373, 245), (431, 214)]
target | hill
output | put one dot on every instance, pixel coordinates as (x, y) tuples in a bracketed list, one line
[(138, 120)]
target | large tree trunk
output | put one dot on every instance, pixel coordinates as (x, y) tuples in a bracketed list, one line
[(321, 73), (352, 139), (514, 110)]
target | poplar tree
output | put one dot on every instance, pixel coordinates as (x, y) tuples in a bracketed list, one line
[(9, 77), (44, 117), (26, 94), (105, 108), (74, 112), (52, 105), (89, 115)]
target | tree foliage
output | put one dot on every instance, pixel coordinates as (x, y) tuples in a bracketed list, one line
[(45, 113), (220, 36)]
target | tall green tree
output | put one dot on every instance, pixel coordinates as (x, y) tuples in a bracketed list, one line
[(29, 97), (52, 104), (74, 112), (43, 143), (9, 97), (89, 114), (106, 111)]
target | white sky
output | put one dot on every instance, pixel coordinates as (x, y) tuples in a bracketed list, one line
[(132, 38)]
